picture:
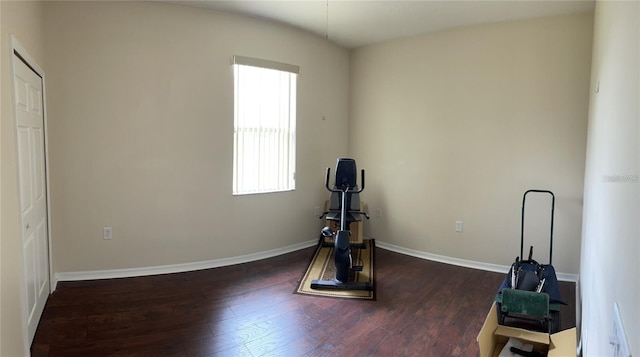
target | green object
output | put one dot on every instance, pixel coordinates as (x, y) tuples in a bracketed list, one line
[(525, 302)]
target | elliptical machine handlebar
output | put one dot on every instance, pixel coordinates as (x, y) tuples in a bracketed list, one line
[(342, 192), (343, 198), (326, 183)]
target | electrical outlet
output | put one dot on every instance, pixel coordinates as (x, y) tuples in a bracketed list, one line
[(458, 226), (317, 211), (618, 341), (107, 233), (379, 212)]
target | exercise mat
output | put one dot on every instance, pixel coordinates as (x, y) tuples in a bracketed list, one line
[(322, 267)]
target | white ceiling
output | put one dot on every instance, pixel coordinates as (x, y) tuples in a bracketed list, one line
[(355, 23)]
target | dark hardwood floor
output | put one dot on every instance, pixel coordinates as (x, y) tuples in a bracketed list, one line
[(423, 308)]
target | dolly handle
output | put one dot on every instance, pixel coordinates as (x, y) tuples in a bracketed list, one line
[(553, 204)]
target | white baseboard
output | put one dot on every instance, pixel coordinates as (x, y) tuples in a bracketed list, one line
[(215, 263), (568, 277), (178, 268), (462, 262)]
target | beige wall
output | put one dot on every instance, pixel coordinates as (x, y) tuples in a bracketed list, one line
[(141, 122), (609, 269), (23, 19), (457, 125)]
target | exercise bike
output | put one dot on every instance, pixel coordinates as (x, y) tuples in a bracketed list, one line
[(344, 186)]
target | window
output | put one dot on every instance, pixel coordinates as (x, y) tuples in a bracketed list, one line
[(264, 152)]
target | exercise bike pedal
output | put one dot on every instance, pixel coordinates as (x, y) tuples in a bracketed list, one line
[(356, 268)]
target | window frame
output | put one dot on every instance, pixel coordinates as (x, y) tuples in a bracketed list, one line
[(272, 136)]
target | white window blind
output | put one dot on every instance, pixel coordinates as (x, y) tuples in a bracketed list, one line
[(264, 126)]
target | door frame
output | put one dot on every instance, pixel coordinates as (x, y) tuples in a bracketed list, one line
[(20, 51)]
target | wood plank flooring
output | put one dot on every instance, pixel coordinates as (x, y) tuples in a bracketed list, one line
[(423, 308)]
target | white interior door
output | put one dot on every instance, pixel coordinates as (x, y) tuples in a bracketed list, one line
[(28, 96)]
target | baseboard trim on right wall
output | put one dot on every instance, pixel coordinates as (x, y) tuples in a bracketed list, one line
[(497, 268)]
